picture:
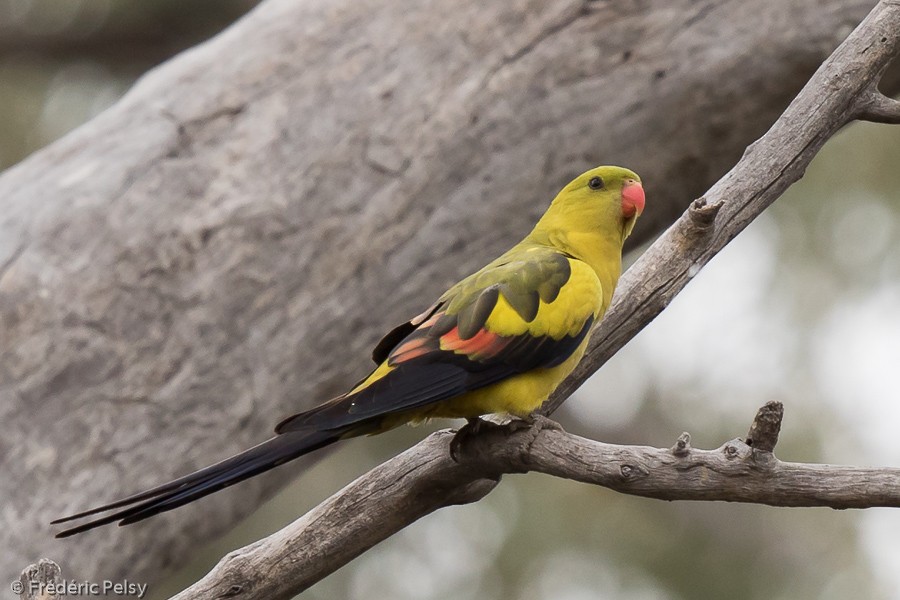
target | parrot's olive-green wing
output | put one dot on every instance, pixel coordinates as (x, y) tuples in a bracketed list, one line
[(523, 283), (524, 279), (490, 326)]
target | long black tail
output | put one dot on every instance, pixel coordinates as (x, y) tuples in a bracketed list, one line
[(271, 453)]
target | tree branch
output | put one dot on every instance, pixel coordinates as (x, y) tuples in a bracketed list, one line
[(424, 477), (734, 472)]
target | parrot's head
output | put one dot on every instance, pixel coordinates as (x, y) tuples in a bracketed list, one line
[(605, 197)]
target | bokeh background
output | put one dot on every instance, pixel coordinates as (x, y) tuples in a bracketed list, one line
[(803, 307)]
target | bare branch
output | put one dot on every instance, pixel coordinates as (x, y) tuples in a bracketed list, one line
[(734, 472), (425, 478)]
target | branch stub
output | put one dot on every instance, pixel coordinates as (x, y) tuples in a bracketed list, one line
[(763, 434), (682, 445)]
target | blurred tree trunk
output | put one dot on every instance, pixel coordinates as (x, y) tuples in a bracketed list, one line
[(224, 245), (123, 35)]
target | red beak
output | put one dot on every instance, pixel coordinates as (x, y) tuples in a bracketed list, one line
[(632, 198)]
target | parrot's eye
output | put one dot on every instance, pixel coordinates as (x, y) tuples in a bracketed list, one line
[(595, 183)]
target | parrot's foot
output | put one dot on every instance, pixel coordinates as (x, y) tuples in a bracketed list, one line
[(475, 426), (534, 420), (520, 423), (470, 429)]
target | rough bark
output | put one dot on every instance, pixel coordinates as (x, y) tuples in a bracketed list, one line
[(224, 245)]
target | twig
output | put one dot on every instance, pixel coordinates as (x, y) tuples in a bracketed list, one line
[(424, 478)]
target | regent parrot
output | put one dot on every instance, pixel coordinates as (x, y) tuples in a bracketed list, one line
[(499, 341)]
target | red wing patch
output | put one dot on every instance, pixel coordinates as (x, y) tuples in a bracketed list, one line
[(483, 344), (410, 349)]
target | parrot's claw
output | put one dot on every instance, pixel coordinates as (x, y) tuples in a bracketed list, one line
[(538, 421), (519, 424), (532, 420), (475, 426), (471, 428)]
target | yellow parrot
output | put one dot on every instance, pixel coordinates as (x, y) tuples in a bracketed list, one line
[(499, 341)]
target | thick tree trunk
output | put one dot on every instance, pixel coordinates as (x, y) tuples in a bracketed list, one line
[(224, 245)]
